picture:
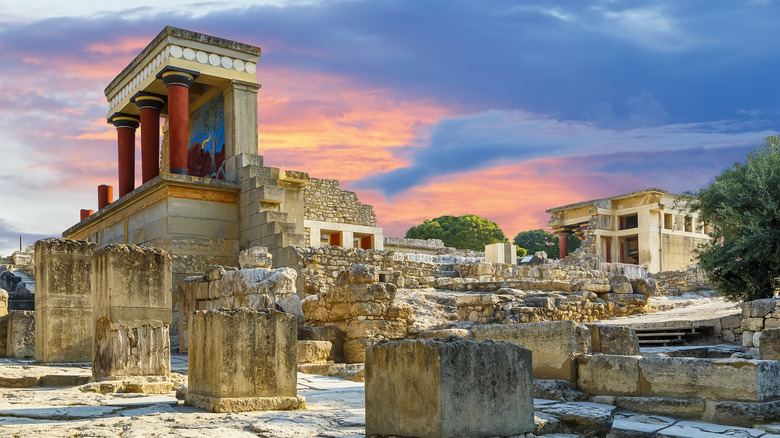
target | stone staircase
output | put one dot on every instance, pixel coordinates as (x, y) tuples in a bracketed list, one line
[(667, 336)]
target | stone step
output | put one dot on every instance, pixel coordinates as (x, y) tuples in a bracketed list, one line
[(274, 228)]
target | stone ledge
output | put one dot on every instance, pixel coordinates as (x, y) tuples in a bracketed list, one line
[(244, 404)]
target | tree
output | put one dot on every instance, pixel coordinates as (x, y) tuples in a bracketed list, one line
[(464, 232), (537, 240), (742, 205)]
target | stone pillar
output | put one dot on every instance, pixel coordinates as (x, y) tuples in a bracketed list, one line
[(178, 82), (149, 105), (501, 253), (242, 360), (131, 286), (240, 123), (105, 195), (20, 342), (85, 213), (126, 125), (63, 300), (563, 242), (448, 387), (348, 239)]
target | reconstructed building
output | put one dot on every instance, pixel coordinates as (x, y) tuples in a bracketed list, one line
[(643, 228), (205, 193)]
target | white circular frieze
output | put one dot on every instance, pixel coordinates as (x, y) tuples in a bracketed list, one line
[(214, 59), (250, 68), (238, 65), (226, 62), (176, 51), (202, 57), (189, 54)]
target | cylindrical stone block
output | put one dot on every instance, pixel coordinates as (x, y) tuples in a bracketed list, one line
[(149, 106)]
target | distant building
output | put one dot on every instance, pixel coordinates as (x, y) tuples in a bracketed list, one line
[(641, 228)]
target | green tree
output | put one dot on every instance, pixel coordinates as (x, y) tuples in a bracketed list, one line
[(537, 240), (742, 205), (463, 232)]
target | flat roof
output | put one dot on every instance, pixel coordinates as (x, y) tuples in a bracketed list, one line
[(625, 195)]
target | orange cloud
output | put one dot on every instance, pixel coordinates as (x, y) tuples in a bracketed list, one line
[(332, 127), (125, 44)]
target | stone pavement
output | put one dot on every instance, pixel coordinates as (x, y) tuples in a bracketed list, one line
[(335, 408)]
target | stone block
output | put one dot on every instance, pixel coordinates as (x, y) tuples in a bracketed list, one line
[(3, 302), (256, 257), (609, 339), (608, 374), (620, 284), (504, 253), (313, 351), (761, 308), (242, 360), (63, 300), (355, 349), (753, 324), (20, 341), (679, 407), (132, 310), (712, 379), (769, 345), (555, 344), (329, 333), (358, 274), (448, 387)]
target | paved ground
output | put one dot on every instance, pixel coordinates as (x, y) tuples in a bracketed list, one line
[(690, 308), (335, 408)]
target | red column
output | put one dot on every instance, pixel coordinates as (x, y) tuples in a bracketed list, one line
[(86, 213), (105, 195), (126, 124), (149, 105), (563, 242), (178, 82)]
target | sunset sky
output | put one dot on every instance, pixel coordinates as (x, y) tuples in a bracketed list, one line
[(423, 107)]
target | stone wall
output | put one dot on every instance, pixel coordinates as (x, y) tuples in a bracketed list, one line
[(679, 282), (424, 246), (756, 316), (324, 201)]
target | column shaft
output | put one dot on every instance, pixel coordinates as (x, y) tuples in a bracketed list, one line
[(178, 118), (149, 106), (126, 137)]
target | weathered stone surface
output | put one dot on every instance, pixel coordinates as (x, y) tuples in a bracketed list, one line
[(744, 414), (630, 425), (448, 387), (329, 333), (712, 379), (359, 274), (554, 344), (769, 345), (21, 334), (239, 357), (255, 257), (355, 349), (63, 300), (678, 407), (608, 374), (132, 309), (758, 308), (313, 351), (582, 418), (620, 284), (611, 339), (3, 302), (556, 389)]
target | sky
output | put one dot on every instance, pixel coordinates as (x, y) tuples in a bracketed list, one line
[(424, 108)]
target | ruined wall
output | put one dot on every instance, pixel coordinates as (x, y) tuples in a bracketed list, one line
[(679, 282), (424, 246), (757, 316), (325, 201), (678, 251)]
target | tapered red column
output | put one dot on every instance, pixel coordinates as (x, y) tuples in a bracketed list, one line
[(149, 105), (178, 82), (105, 195), (563, 242), (126, 124)]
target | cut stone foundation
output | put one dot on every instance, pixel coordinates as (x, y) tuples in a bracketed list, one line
[(242, 360), (448, 387)]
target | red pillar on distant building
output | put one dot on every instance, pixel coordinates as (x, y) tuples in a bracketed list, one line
[(105, 195), (149, 105), (178, 82), (85, 213), (563, 242), (126, 124)]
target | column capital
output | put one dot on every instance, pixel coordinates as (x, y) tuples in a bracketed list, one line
[(144, 100), (123, 120), (177, 76)]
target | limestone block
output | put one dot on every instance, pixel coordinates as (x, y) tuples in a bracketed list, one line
[(554, 344), (355, 349), (757, 340), (769, 346), (747, 338), (448, 387), (608, 374), (620, 284), (358, 274), (132, 310), (376, 328), (482, 268), (712, 379), (753, 324), (214, 273), (3, 302), (760, 308), (645, 286), (20, 341), (242, 360), (675, 406), (63, 300), (329, 333), (313, 351), (255, 257), (596, 287), (608, 339)]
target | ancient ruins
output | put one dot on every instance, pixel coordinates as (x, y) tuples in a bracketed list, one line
[(272, 300)]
